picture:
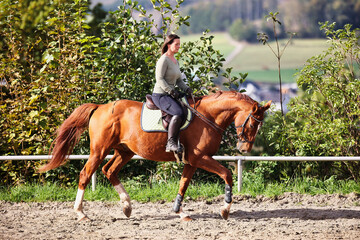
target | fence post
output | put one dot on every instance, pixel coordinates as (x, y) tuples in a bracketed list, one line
[(93, 181), (240, 164)]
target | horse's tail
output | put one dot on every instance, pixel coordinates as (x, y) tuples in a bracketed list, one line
[(69, 134)]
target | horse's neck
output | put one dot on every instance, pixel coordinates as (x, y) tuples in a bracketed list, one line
[(222, 111)]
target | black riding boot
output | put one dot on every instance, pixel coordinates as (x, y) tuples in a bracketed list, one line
[(173, 133)]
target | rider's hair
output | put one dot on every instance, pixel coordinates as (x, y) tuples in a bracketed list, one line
[(168, 40)]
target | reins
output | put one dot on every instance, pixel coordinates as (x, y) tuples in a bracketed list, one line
[(217, 127), (202, 117)]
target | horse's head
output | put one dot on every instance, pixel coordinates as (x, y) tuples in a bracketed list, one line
[(247, 125)]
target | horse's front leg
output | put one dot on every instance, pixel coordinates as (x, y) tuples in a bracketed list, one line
[(225, 210), (211, 165), (187, 174)]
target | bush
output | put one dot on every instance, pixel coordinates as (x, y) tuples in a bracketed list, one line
[(324, 119)]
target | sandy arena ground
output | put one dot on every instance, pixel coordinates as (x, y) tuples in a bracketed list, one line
[(291, 216)]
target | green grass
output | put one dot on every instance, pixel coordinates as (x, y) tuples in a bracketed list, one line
[(252, 185)]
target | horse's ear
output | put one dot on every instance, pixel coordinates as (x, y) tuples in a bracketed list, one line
[(255, 108), (267, 105)]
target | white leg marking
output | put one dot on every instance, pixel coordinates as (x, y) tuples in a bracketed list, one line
[(78, 204), (183, 216), (225, 210), (124, 199)]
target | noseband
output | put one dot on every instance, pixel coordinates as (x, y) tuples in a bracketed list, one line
[(243, 128)]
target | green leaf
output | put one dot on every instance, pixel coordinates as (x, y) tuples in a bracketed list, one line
[(33, 114)]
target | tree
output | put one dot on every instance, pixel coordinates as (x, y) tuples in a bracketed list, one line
[(263, 37)]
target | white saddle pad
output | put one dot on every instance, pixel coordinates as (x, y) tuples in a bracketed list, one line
[(151, 120)]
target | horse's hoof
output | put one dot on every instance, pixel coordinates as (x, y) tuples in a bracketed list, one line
[(84, 219), (186, 219), (224, 213), (127, 211)]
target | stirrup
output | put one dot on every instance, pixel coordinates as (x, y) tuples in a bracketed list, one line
[(171, 146), (180, 156)]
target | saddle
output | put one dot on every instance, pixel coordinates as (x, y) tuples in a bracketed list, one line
[(165, 116)]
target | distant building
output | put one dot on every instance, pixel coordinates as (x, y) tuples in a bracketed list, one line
[(252, 90), (269, 91)]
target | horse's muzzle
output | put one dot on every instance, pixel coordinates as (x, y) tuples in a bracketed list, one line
[(243, 147)]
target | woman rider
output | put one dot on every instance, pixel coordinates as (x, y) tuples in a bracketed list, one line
[(168, 76)]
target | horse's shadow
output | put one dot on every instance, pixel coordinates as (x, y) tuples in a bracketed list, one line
[(294, 213)]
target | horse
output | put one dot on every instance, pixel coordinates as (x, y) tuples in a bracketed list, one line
[(116, 126)]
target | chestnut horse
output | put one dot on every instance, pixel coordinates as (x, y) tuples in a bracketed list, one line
[(116, 126)]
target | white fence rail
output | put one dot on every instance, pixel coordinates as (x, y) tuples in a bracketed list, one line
[(239, 159)]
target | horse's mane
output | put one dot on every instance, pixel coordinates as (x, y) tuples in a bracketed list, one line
[(232, 94)]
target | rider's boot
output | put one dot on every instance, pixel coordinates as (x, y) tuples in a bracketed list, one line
[(173, 134)]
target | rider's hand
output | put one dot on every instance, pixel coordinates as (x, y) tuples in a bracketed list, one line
[(175, 94), (189, 92)]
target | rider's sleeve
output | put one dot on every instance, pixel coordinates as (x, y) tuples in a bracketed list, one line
[(161, 67), (180, 82)]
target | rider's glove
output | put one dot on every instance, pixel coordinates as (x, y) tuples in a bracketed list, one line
[(174, 94)]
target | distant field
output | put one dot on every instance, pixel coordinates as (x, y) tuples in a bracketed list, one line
[(220, 42), (260, 57), (270, 76), (261, 64)]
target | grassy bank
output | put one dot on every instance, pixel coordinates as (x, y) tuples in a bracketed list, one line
[(167, 191)]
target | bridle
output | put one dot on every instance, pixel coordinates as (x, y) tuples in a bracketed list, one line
[(241, 136)]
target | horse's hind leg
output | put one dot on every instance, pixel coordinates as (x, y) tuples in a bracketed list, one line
[(111, 170), (85, 175)]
